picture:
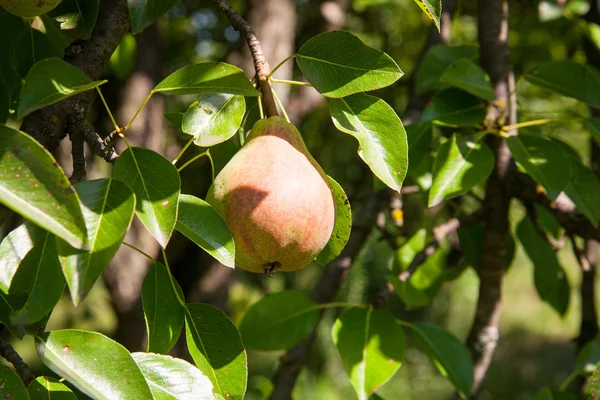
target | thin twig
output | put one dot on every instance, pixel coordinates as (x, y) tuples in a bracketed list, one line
[(10, 355), (260, 63)]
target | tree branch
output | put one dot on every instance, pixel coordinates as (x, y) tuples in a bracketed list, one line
[(49, 125), (10, 355), (260, 63)]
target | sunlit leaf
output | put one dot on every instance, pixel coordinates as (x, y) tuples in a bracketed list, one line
[(34, 185), (433, 10), (380, 134), (339, 64), (47, 388), (98, 366)]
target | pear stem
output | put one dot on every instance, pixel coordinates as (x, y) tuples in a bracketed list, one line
[(260, 62)]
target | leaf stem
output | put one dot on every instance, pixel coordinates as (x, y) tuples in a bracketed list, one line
[(260, 108), (297, 83), (207, 154), (280, 104), (138, 110), (507, 128), (279, 66), (568, 381), (183, 150), (112, 118), (149, 257)]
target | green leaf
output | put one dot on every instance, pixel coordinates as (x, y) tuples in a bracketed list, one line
[(588, 357), (10, 27), (200, 223), (52, 29), (124, 58), (435, 62), (216, 347), (569, 78), (425, 282), (163, 312), (449, 355), (172, 378), (11, 386), (592, 389), (371, 344), (208, 77), (214, 118), (107, 207), (8, 304), (419, 138), (29, 47), (341, 227), (50, 81), (380, 134), (460, 165), (453, 107), (584, 190), (144, 12), (98, 366), (156, 184), (433, 10), (77, 17), (279, 321), (593, 125), (38, 276), (550, 280), (34, 185), (468, 76), (544, 160), (339, 64), (553, 394), (47, 388)]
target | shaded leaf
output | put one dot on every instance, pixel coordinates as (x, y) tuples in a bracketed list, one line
[(52, 29), (77, 17), (435, 62), (380, 134), (200, 223), (341, 228), (122, 61), (593, 125), (214, 118), (173, 378), (144, 12), (9, 303), (107, 207), (11, 386), (10, 27), (47, 388), (569, 78), (156, 184), (339, 64), (50, 81), (163, 312), (583, 188), (449, 354), (98, 366), (371, 344), (279, 321), (38, 276), (216, 347), (550, 280), (425, 282), (553, 394), (544, 160), (453, 107), (459, 166), (419, 138), (29, 47), (35, 186), (208, 77), (588, 357), (468, 76)]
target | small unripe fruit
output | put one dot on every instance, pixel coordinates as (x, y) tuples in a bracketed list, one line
[(275, 199), (29, 8)]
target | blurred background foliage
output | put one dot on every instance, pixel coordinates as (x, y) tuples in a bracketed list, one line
[(536, 348)]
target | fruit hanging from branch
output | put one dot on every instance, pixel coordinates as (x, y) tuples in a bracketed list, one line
[(28, 8), (275, 199)]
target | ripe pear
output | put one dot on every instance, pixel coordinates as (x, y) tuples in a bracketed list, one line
[(29, 8), (275, 199)]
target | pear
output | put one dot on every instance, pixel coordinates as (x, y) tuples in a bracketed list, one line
[(275, 199), (28, 8)]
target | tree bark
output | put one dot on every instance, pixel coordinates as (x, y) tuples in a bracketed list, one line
[(484, 334)]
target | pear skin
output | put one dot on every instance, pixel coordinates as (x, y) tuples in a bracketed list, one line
[(275, 199), (28, 8)]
